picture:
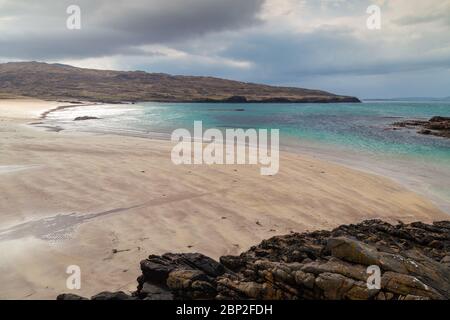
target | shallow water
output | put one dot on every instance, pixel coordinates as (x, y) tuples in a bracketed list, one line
[(357, 135)]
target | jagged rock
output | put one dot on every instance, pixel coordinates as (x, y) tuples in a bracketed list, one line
[(159, 267), (357, 272), (191, 284), (445, 260), (304, 279), (353, 251), (183, 279), (414, 260), (339, 287), (407, 285)]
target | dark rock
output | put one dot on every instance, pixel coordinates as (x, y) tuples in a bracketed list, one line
[(70, 296), (437, 126), (159, 267), (112, 296), (152, 292), (85, 118), (439, 119), (101, 296), (425, 131), (232, 262)]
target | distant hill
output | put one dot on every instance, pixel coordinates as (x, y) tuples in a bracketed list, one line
[(58, 81)]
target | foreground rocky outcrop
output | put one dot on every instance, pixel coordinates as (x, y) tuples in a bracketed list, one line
[(437, 126), (414, 260)]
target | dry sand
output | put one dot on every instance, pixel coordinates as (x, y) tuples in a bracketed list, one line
[(24, 109), (71, 199)]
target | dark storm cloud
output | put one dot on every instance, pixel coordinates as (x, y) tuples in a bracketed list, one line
[(163, 22), (37, 30)]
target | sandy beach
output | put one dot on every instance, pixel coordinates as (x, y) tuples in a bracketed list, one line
[(105, 202)]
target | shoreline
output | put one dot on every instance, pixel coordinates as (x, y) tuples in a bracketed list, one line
[(339, 156), (44, 115), (400, 170), (112, 200)]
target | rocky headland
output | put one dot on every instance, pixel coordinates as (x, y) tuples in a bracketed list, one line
[(414, 260), (437, 126)]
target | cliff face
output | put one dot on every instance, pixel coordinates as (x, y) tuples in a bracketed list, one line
[(414, 260), (56, 81)]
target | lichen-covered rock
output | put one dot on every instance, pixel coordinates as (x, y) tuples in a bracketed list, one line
[(353, 251), (408, 285), (191, 284), (413, 260)]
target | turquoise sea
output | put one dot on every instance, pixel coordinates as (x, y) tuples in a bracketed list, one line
[(358, 135)]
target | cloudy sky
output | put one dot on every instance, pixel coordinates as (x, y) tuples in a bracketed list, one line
[(323, 44)]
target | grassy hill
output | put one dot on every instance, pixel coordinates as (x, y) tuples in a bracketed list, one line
[(57, 81)]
